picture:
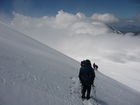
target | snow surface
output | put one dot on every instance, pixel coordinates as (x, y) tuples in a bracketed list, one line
[(34, 74)]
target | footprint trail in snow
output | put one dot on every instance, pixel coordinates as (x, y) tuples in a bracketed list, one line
[(75, 90)]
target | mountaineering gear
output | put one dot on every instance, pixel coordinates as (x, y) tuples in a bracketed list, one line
[(86, 77)]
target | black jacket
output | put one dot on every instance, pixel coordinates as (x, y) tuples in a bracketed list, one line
[(86, 75)]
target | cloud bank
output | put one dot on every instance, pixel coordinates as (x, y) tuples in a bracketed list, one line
[(106, 18), (65, 30), (82, 37)]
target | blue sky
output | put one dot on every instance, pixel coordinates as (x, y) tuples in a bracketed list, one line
[(120, 8), (125, 10)]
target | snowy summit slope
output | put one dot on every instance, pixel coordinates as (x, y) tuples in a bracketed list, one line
[(34, 74)]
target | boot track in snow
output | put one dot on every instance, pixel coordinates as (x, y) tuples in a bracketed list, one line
[(75, 91)]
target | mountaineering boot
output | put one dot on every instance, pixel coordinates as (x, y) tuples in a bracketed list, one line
[(83, 97), (87, 97)]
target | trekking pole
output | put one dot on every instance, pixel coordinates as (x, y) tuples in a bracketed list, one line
[(95, 97), (94, 90)]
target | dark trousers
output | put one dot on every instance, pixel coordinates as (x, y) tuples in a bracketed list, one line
[(86, 89)]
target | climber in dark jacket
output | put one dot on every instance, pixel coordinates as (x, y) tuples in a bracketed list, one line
[(86, 77)]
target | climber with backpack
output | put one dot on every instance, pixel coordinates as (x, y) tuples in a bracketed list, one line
[(95, 66), (86, 77)]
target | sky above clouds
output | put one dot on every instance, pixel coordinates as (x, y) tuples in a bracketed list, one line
[(126, 10), (121, 8), (50, 7)]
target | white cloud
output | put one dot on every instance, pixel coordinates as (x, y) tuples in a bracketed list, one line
[(4, 17), (65, 30), (83, 37), (106, 18)]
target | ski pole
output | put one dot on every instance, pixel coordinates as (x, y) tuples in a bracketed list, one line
[(94, 90)]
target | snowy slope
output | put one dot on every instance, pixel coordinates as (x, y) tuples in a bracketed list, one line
[(34, 74)]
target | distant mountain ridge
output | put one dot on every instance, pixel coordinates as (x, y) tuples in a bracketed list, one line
[(124, 30)]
